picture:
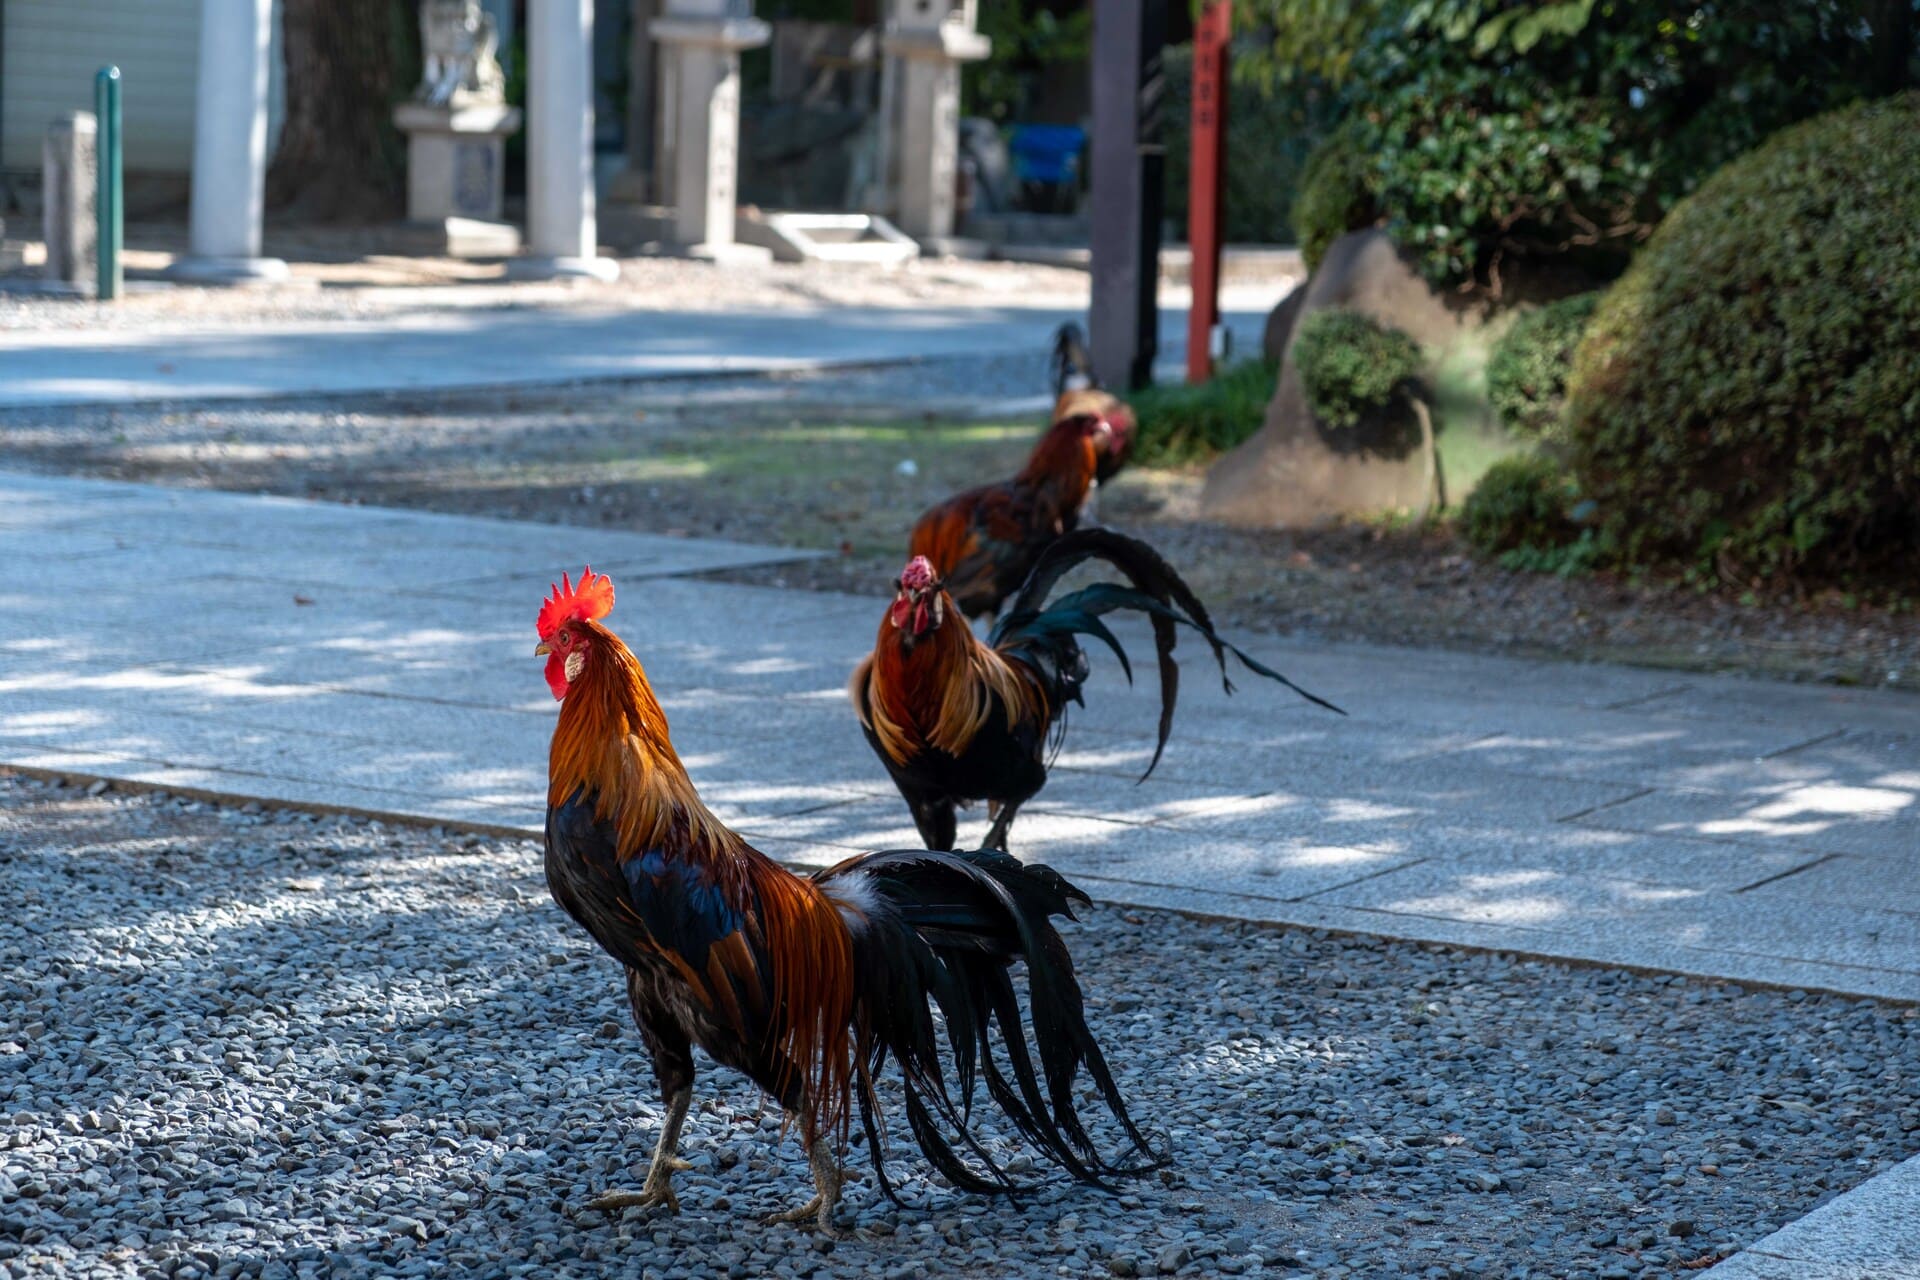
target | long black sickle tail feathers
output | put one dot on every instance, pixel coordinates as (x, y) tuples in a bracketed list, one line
[(946, 927), (1042, 634), (1071, 362)]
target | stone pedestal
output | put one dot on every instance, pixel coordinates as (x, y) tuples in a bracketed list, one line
[(456, 160), (562, 237), (924, 126), (230, 147), (700, 50), (67, 216)]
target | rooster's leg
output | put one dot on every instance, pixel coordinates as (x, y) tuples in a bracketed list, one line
[(826, 1183), (1002, 823), (658, 1188), (935, 818)]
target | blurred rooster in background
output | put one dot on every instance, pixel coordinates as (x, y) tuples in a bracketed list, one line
[(806, 984), (1078, 394), (955, 720), (984, 542)]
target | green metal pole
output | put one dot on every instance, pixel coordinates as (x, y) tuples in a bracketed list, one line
[(110, 196)]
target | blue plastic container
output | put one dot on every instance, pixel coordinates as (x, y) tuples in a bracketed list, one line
[(1047, 152)]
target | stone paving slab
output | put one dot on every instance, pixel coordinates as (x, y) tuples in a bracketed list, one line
[(1562, 810), (1820, 817), (1870, 1233)]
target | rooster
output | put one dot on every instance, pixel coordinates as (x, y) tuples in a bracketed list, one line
[(956, 720), (984, 542), (1078, 393), (806, 984)]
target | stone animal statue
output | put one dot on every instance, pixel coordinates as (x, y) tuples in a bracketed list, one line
[(460, 42)]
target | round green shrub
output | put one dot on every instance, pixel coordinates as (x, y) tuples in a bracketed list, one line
[(1521, 502), (1527, 372), (1746, 401), (1350, 367), (1335, 194)]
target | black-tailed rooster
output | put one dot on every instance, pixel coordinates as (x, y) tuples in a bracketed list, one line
[(985, 541), (955, 720), (806, 984)]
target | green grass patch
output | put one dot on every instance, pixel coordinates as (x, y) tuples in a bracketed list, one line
[(829, 484), (1182, 423), (1467, 434)]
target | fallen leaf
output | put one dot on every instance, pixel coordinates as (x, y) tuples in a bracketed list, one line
[(1704, 1261)]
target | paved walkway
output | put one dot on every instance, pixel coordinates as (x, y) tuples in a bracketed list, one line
[(378, 660), (503, 346)]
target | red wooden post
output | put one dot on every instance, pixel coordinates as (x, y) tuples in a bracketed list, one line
[(1205, 182)]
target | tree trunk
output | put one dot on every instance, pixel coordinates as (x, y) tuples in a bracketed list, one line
[(348, 62)]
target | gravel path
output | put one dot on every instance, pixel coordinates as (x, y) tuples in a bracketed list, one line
[(349, 279), (246, 1042)]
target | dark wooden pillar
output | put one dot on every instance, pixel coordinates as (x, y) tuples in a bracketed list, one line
[(1129, 163)]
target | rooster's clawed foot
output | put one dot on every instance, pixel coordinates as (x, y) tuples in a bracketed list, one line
[(826, 1181), (657, 1190)]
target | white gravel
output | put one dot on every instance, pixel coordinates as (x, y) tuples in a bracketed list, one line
[(246, 1042)]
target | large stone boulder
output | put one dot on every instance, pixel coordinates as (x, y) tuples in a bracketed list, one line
[(1294, 473), (1280, 321)]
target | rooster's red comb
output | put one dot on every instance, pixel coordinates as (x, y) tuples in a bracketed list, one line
[(589, 602), (918, 575)]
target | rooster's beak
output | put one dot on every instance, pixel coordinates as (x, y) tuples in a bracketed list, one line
[(542, 649)]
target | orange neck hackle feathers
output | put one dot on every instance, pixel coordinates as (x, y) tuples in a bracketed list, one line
[(935, 687), (1068, 455), (611, 742)]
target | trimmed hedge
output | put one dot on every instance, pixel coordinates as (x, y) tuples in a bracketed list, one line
[(1527, 372), (1336, 194), (1502, 138), (1350, 367), (1521, 502), (1746, 402)]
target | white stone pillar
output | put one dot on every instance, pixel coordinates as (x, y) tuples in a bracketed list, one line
[(230, 147), (926, 44), (561, 228), (703, 40), (68, 184)]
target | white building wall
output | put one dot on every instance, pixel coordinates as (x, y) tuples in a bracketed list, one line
[(54, 47)]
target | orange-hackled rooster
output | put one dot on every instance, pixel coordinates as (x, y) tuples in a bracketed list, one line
[(809, 984), (1077, 393), (955, 720), (984, 542)]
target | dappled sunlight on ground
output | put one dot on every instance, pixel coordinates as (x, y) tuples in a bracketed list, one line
[(1525, 899)]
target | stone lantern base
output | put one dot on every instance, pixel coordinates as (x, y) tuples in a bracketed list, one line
[(456, 170)]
